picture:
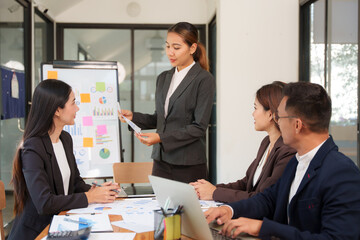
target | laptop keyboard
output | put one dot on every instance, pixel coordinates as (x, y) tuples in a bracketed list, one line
[(217, 236)]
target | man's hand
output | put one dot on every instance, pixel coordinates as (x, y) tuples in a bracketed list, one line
[(221, 214), (246, 225)]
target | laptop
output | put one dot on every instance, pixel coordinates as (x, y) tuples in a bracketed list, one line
[(193, 222)]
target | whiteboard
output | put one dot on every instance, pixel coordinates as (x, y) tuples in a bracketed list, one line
[(96, 133)]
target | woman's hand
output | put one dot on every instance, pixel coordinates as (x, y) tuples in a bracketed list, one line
[(204, 189), (148, 138), (126, 113), (104, 194)]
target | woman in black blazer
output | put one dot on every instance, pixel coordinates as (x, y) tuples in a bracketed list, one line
[(183, 100), (45, 175)]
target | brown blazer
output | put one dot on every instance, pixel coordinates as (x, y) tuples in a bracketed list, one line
[(272, 171)]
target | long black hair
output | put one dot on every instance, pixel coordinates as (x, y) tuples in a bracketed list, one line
[(48, 96)]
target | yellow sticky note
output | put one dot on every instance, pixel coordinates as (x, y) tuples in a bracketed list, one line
[(52, 75), (85, 97), (100, 86), (88, 142)]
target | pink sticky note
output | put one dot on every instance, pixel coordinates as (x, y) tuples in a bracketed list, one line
[(87, 121), (101, 129)]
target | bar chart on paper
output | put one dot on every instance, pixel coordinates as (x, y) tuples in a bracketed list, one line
[(74, 130)]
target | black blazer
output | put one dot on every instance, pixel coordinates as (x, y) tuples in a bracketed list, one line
[(271, 172), (183, 131), (45, 186)]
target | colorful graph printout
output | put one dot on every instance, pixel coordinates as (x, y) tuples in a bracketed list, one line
[(104, 153), (95, 133), (102, 100)]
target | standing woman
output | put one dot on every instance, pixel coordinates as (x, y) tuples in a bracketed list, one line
[(184, 97), (45, 176)]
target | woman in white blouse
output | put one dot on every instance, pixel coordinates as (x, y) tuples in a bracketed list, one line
[(272, 157)]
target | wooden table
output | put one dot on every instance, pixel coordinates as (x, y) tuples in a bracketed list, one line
[(113, 218)]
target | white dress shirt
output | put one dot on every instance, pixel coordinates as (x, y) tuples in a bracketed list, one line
[(175, 82), (303, 164), (261, 165), (63, 164)]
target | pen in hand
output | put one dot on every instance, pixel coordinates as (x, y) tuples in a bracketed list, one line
[(98, 185)]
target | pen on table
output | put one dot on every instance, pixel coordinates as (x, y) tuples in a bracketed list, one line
[(98, 185), (75, 221)]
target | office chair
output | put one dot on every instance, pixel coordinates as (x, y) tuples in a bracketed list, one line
[(132, 172), (2, 206)]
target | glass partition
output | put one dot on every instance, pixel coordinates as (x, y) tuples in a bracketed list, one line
[(334, 65), (150, 61), (12, 74)]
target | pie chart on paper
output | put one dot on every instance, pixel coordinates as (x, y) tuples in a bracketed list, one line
[(104, 153), (102, 100)]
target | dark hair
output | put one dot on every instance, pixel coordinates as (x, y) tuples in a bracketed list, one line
[(48, 96), (311, 103), (190, 35), (270, 95)]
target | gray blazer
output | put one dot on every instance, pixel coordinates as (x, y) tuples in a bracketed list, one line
[(183, 131)]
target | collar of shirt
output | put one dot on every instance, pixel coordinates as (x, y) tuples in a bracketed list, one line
[(307, 157), (182, 73)]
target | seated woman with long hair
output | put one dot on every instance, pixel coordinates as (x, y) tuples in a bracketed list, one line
[(271, 160), (45, 175)]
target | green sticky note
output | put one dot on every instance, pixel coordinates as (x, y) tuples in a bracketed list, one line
[(100, 86)]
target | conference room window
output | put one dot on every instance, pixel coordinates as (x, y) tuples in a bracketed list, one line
[(43, 43), (12, 68), (149, 61), (329, 56)]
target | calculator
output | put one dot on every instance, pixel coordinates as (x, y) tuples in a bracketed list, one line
[(82, 234)]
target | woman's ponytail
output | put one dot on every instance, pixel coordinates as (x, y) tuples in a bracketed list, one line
[(200, 56)]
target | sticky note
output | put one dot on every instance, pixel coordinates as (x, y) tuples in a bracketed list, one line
[(87, 121), (52, 75), (88, 142), (100, 86), (101, 129), (85, 97)]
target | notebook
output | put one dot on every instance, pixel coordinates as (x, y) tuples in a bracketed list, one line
[(193, 222)]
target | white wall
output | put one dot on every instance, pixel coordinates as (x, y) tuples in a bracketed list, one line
[(257, 43), (115, 11)]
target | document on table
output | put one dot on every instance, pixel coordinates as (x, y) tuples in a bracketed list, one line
[(134, 226), (209, 203), (99, 222), (109, 236), (133, 205), (112, 236)]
